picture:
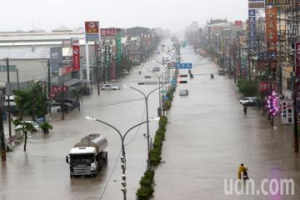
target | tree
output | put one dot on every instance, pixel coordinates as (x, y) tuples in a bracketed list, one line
[(31, 101), (78, 94), (248, 87), (45, 126), (24, 127)]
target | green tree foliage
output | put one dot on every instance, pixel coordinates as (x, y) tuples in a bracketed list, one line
[(31, 101), (78, 95), (248, 87), (45, 126)]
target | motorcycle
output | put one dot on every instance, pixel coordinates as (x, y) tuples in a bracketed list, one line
[(245, 175), (245, 110)]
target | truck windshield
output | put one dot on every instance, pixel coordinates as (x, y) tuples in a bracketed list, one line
[(82, 158)]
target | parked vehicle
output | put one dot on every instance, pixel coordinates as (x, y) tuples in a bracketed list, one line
[(87, 157), (156, 69), (36, 126), (221, 72), (57, 107), (110, 87), (183, 93), (249, 101)]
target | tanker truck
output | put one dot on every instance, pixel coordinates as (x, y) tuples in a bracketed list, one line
[(87, 157)]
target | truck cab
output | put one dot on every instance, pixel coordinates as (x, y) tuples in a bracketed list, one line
[(87, 157)]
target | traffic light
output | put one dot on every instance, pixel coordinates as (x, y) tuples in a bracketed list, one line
[(123, 163), (124, 189), (183, 75), (123, 183), (123, 166), (182, 82), (123, 177)]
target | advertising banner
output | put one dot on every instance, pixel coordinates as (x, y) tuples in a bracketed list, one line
[(110, 31), (76, 56), (256, 4), (55, 59), (58, 89), (297, 62), (92, 31), (238, 23), (252, 30), (113, 71), (107, 56), (65, 70), (271, 29), (119, 48), (277, 2), (263, 86)]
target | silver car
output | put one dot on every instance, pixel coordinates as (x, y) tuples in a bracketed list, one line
[(36, 126), (110, 87), (183, 93)]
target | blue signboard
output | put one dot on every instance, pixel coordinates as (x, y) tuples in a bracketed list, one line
[(266, 55), (165, 97), (252, 29), (184, 65), (173, 82), (11, 68)]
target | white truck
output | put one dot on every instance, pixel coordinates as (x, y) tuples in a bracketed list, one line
[(87, 157)]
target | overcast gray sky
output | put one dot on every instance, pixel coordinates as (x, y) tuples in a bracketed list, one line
[(168, 14)]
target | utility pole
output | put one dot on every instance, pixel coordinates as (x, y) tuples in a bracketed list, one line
[(240, 58), (2, 137), (224, 49), (49, 88), (63, 106), (234, 60), (8, 98), (295, 128), (97, 50), (296, 69)]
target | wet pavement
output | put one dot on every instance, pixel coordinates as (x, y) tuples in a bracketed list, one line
[(209, 136)]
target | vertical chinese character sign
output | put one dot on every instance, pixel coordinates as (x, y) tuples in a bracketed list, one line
[(76, 55), (119, 47), (271, 29), (252, 30), (297, 84)]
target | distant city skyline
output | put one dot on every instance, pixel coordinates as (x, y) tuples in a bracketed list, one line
[(174, 15)]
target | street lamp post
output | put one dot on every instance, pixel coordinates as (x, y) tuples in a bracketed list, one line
[(123, 158), (159, 91), (147, 120)]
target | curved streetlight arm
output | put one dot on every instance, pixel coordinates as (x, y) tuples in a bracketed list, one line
[(94, 119), (138, 91), (134, 127), (152, 92)]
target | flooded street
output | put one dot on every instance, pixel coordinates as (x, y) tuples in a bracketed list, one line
[(208, 137)]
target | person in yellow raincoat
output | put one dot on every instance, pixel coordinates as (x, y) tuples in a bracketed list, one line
[(242, 170)]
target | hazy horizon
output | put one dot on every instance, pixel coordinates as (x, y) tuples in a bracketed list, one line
[(173, 15)]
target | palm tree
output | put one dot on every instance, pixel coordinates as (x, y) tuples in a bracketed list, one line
[(24, 127)]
